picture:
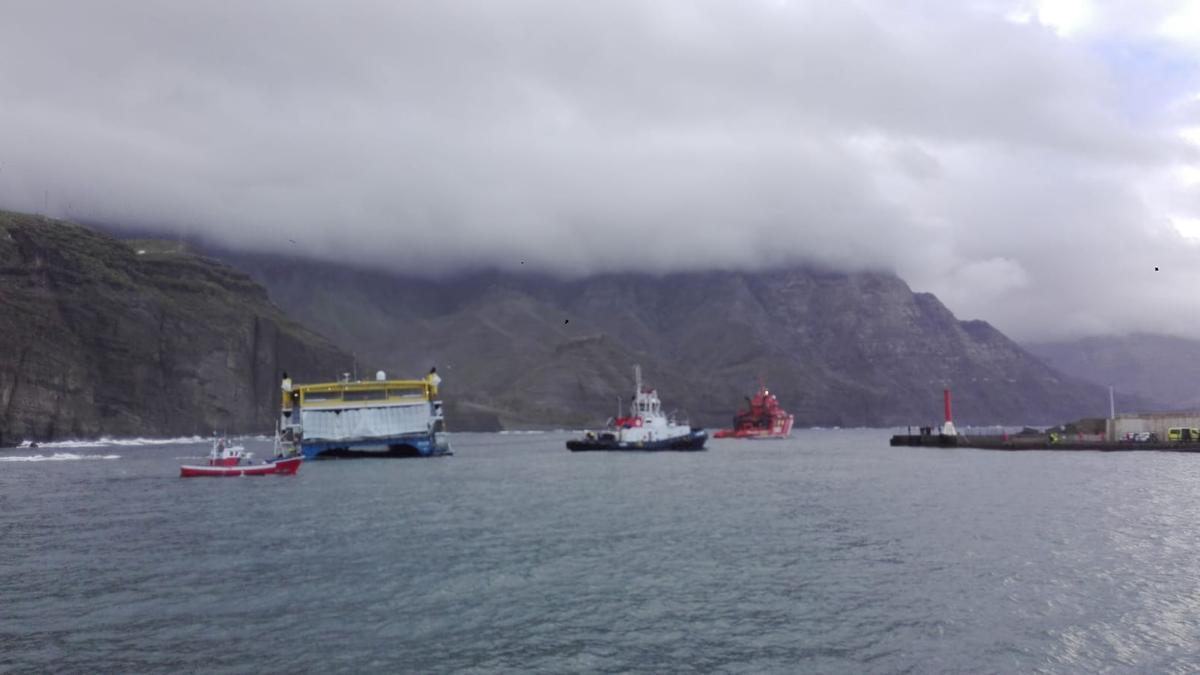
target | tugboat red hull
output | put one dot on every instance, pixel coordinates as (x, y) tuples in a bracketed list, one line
[(284, 467)]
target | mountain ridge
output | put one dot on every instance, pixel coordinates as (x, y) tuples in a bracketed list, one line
[(517, 350), (841, 349), (1162, 369)]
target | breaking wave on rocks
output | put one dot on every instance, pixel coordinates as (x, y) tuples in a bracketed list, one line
[(118, 442), (56, 457)]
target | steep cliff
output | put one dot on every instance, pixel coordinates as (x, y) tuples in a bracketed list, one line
[(839, 349), (103, 337)]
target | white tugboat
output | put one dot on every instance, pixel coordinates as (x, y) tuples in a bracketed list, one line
[(645, 428)]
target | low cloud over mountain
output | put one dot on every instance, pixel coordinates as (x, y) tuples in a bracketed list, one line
[(1029, 162)]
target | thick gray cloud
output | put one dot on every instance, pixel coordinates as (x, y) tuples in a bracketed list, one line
[(1020, 159)]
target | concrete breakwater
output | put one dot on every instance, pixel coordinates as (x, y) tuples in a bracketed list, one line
[(1037, 443)]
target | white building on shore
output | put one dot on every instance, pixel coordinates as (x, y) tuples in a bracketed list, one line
[(1156, 423)]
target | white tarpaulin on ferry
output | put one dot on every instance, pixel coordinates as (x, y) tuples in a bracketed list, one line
[(365, 423)]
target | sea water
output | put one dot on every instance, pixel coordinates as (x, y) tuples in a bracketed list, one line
[(829, 552)]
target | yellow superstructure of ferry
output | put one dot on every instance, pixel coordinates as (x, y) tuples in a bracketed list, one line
[(364, 417)]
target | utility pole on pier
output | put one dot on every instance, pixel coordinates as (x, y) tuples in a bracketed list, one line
[(1111, 427)]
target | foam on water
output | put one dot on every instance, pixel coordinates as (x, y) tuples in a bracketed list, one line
[(56, 457), (119, 442)]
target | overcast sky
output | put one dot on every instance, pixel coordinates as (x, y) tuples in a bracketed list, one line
[(1029, 161)]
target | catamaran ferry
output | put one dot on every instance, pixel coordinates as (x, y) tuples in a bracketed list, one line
[(379, 417)]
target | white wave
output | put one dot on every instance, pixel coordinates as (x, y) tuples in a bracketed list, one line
[(119, 442), (56, 457)]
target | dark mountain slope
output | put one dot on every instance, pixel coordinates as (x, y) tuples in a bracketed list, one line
[(99, 339), (839, 349), (1161, 368)]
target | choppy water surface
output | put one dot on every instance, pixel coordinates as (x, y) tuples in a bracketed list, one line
[(828, 553)]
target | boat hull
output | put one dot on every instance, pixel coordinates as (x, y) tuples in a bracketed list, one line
[(690, 442), (409, 445), (283, 467), (759, 434)]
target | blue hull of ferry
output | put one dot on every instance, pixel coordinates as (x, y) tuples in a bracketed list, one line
[(424, 445)]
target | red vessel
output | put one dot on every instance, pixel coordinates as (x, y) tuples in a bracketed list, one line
[(227, 460), (763, 419), (283, 467)]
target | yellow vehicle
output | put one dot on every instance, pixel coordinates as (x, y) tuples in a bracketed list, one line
[(1189, 434)]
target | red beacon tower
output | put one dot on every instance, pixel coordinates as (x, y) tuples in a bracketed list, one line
[(948, 426)]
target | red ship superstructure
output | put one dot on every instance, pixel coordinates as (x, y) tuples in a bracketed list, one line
[(763, 419)]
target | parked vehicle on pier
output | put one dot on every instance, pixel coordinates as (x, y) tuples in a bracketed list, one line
[(1140, 437), (1183, 434)]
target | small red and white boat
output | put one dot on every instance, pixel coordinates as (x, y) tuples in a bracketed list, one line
[(283, 467), (226, 460), (764, 418)]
